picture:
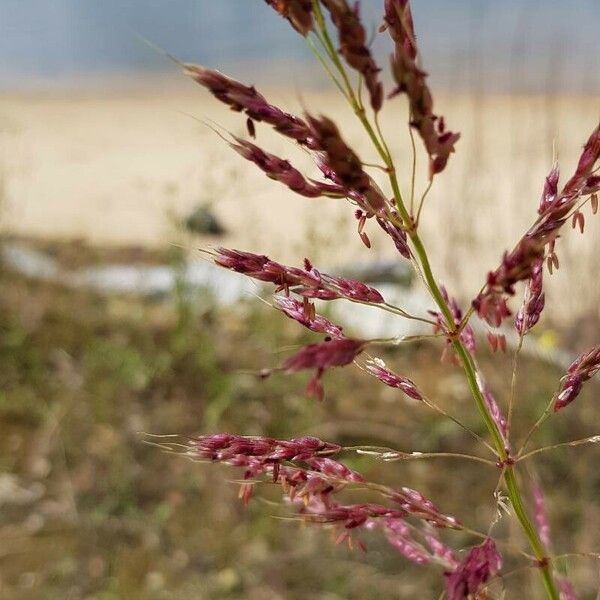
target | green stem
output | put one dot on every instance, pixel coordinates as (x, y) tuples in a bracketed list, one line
[(510, 480)]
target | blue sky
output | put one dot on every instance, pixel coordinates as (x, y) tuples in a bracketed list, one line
[(527, 44)]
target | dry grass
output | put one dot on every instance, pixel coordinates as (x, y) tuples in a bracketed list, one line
[(97, 514)]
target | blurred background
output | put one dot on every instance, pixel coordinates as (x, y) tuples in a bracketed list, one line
[(112, 324)]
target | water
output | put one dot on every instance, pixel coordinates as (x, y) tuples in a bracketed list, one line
[(529, 44)]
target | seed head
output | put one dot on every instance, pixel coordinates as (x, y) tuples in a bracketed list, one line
[(533, 302), (335, 353), (297, 12), (241, 97), (541, 518), (521, 262), (566, 589), (353, 46), (281, 170), (342, 165), (308, 283), (297, 310), (481, 563), (580, 371), (377, 369), (411, 80)]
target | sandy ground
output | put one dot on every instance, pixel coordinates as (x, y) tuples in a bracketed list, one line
[(124, 167)]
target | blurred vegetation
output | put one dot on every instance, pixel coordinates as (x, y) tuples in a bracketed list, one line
[(88, 510)]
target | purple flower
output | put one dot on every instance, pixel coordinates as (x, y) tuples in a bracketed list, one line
[(533, 301), (307, 282), (520, 263), (495, 412), (245, 98), (303, 312), (481, 563), (410, 80), (541, 518), (582, 369), (353, 46), (343, 166), (281, 170), (550, 189), (397, 234), (566, 589), (399, 535), (377, 368), (417, 505), (335, 353), (297, 12)]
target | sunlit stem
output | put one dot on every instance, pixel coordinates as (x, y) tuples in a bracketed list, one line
[(510, 480), (513, 381)]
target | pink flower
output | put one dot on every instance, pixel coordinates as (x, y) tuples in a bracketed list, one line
[(281, 170), (353, 46), (307, 282), (481, 563), (378, 370), (582, 369), (303, 312), (325, 355), (533, 302), (297, 12), (411, 80), (241, 97), (541, 518)]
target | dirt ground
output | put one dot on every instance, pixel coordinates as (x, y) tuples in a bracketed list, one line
[(127, 164), (89, 511)]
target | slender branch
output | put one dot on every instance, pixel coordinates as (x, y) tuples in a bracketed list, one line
[(413, 170), (543, 417), (422, 201), (464, 356), (390, 455), (594, 439)]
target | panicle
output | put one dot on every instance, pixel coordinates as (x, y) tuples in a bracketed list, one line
[(411, 80), (376, 367), (566, 589), (335, 353), (580, 371), (399, 535), (584, 181), (533, 301), (541, 518), (495, 411), (440, 550), (353, 46), (523, 260), (417, 505), (307, 282), (281, 170), (298, 12), (226, 446), (298, 311), (245, 98), (398, 235), (343, 166), (467, 335), (481, 563), (550, 190), (516, 266)]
